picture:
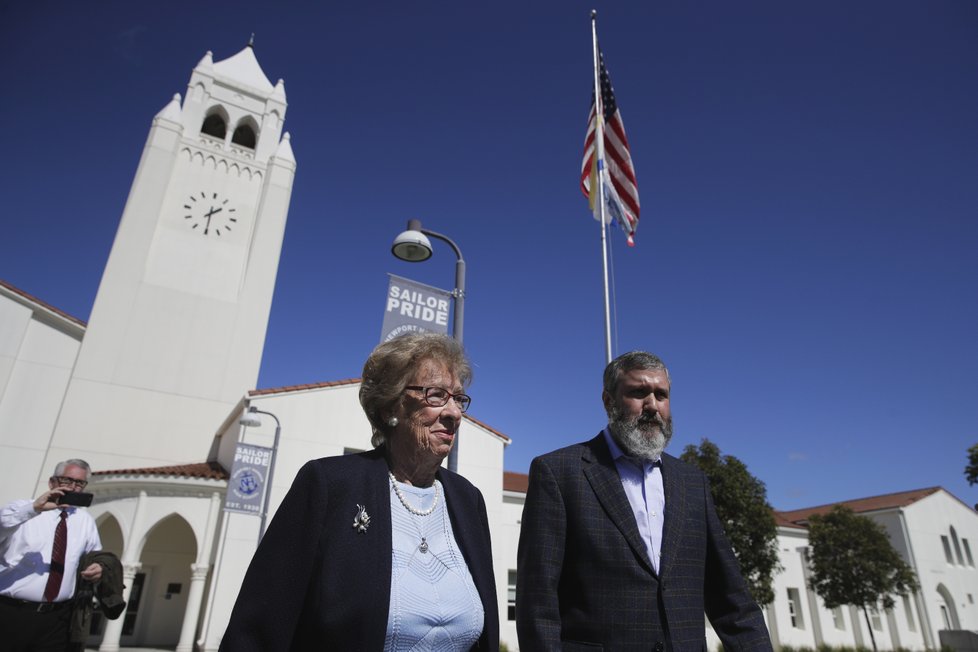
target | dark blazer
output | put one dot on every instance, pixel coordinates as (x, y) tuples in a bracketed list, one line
[(107, 593), (585, 581), (316, 583)]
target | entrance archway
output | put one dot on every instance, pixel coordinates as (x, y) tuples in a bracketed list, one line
[(947, 610), (110, 533), (164, 580)]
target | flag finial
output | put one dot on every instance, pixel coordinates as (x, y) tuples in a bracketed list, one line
[(594, 14)]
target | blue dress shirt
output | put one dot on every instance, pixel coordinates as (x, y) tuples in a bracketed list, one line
[(642, 481)]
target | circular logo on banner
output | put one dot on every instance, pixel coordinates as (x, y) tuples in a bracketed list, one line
[(246, 483)]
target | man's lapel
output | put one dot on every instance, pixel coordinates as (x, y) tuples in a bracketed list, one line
[(600, 471), (672, 529)]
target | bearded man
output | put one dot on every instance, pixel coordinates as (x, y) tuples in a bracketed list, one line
[(620, 546)]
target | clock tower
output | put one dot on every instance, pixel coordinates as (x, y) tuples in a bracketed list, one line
[(176, 334)]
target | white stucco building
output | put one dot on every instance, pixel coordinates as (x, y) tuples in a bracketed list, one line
[(933, 531), (151, 391)]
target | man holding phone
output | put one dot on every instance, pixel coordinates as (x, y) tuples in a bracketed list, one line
[(41, 544)]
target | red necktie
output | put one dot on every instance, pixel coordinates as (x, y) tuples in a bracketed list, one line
[(57, 559)]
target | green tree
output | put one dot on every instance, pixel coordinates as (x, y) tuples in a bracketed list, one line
[(854, 563), (741, 503), (971, 471)]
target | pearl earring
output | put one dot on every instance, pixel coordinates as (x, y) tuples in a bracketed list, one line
[(392, 422)]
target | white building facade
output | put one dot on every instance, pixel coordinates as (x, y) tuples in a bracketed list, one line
[(152, 389), (933, 531)]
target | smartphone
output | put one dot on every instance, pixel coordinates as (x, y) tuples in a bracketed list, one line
[(75, 498)]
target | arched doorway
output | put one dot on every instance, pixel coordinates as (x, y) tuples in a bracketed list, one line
[(159, 596), (948, 614), (110, 533)]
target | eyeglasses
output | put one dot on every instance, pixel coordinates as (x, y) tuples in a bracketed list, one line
[(438, 397), (68, 482)]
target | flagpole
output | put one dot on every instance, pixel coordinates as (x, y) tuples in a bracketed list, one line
[(599, 143)]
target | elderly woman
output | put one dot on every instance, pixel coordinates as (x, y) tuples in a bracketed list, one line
[(383, 550)]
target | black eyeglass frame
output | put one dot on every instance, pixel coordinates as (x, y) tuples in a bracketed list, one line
[(463, 401), (64, 481)]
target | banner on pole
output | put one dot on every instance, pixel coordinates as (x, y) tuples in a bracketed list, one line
[(246, 486), (414, 307)]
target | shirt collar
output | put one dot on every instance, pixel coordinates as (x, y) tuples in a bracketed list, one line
[(617, 454)]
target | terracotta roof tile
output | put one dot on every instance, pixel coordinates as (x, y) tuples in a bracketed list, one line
[(860, 505), (43, 304), (298, 388), (517, 482), (483, 424), (205, 470), (781, 521)]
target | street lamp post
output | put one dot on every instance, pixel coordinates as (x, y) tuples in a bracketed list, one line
[(413, 246), (252, 419)]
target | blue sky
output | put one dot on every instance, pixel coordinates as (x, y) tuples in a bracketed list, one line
[(807, 258)]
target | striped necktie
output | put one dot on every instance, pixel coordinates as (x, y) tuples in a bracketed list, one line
[(57, 572)]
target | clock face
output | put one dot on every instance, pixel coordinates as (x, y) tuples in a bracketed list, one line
[(209, 214)]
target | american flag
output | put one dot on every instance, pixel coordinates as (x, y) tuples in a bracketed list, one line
[(621, 189)]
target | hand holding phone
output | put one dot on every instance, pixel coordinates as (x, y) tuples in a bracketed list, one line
[(76, 498)]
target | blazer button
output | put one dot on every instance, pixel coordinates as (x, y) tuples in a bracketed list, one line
[(659, 647)]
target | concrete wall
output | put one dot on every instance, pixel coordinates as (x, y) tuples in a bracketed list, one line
[(945, 585), (37, 354), (505, 544)]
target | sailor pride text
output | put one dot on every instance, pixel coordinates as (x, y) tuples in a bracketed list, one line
[(256, 456), (417, 305)]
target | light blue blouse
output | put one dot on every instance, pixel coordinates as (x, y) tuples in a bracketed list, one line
[(434, 603)]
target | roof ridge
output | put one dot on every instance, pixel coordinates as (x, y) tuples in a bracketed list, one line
[(302, 386), (43, 304), (928, 490), (210, 469)]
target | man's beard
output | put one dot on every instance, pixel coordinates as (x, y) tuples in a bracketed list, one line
[(644, 436)]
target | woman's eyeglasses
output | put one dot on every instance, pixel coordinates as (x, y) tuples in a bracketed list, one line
[(438, 397)]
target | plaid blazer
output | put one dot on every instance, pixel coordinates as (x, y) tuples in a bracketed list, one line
[(585, 581)]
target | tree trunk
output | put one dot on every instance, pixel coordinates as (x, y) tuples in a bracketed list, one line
[(869, 626)]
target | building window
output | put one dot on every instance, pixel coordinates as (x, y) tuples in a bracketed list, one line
[(947, 550), (874, 617), (794, 609), (132, 608), (215, 126), (838, 619), (511, 596), (911, 625), (957, 546), (967, 552), (244, 136)]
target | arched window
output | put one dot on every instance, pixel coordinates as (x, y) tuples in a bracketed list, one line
[(957, 546), (214, 125), (244, 136)]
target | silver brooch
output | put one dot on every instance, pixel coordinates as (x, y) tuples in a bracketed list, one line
[(362, 520)]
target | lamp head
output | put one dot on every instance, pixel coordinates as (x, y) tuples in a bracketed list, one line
[(250, 418), (412, 245)]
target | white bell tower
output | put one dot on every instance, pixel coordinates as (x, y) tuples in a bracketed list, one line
[(178, 326)]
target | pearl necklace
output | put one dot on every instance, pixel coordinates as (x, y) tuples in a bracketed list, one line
[(407, 506)]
